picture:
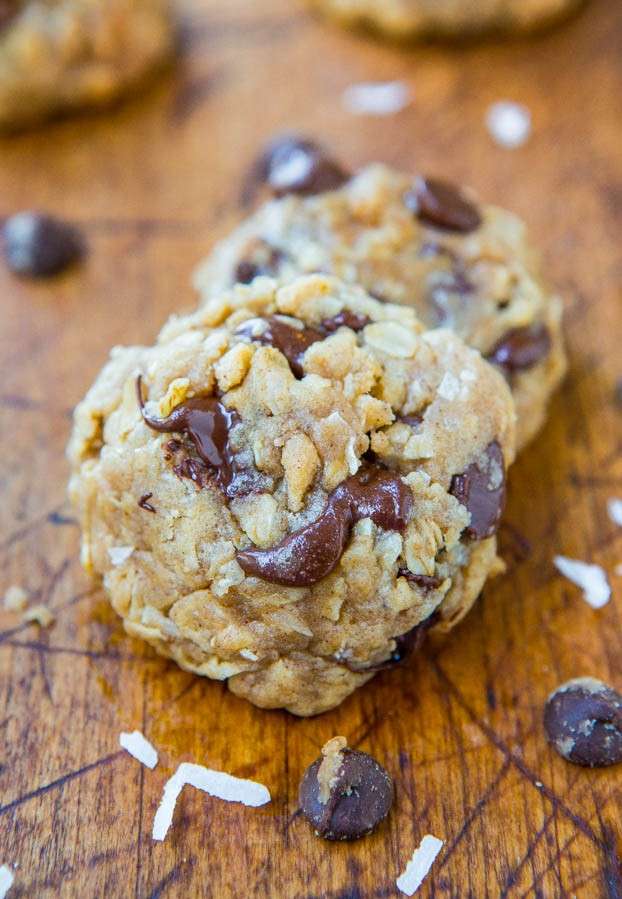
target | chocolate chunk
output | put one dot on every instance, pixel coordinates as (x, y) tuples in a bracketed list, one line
[(481, 488), (583, 721), (293, 342), (345, 794), (208, 423), (39, 245), (292, 164), (309, 554), (409, 643), (262, 260), (412, 420), (442, 205), (144, 503), (424, 581), (522, 348), (346, 319)]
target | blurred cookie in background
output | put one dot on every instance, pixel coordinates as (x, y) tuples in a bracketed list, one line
[(406, 19), (61, 55)]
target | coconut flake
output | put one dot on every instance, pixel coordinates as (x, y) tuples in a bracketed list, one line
[(591, 578), (15, 599), (6, 880), (120, 554), (509, 123), (140, 748), (614, 507), (216, 783), (418, 867), (39, 615), (380, 98)]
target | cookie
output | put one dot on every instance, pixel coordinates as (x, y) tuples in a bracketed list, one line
[(406, 19), (416, 241), (299, 485), (59, 55)]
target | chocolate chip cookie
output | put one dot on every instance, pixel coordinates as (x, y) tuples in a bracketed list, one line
[(404, 19), (58, 55), (292, 486), (417, 241)]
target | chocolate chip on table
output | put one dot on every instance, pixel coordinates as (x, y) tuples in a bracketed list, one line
[(521, 348), (442, 205), (345, 794), (40, 245), (293, 164), (583, 721), (307, 555), (481, 488)]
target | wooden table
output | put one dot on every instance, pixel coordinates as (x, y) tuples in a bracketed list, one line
[(154, 184)]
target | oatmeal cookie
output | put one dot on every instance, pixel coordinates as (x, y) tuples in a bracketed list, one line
[(405, 19), (417, 241), (300, 483), (58, 55)]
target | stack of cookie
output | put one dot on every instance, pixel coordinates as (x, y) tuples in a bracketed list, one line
[(305, 476)]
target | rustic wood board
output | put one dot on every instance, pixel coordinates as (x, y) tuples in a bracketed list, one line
[(154, 184)]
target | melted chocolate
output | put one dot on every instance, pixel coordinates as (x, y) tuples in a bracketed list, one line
[(442, 205), (208, 423), (345, 319), (522, 348), (481, 488), (291, 341), (309, 554), (424, 581)]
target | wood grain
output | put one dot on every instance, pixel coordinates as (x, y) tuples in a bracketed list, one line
[(154, 184)]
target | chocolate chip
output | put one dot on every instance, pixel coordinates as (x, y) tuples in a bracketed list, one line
[(39, 245), (423, 581), (481, 488), (292, 164), (293, 342), (583, 721), (522, 348), (312, 552), (412, 420), (406, 645), (144, 503), (345, 319), (345, 794), (260, 259), (442, 205)]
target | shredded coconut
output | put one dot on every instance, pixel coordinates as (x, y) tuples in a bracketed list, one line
[(449, 388), (509, 123), (249, 654), (39, 615), (15, 599), (120, 554), (378, 98), (591, 578), (216, 783), (140, 748), (614, 507), (6, 880), (418, 867)]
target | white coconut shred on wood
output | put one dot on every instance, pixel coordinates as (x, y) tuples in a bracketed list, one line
[(378, 98), (140, 748), (419, 866), (6, 880), (216, 783), (614, 507), (509, 123), (591, 578)]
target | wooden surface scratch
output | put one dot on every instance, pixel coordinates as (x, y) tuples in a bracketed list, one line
[(154, 184)]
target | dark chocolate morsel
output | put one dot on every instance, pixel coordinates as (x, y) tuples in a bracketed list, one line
[(583, 721), (293, 164), (311, 553), (406, 645), (39, 245), (293, 342), (144, 503), (412, 420), (424, 581), (361, 795), (345, 319), (442, 205), (521, 348), (481, 488), (208, 423), (263, 259)]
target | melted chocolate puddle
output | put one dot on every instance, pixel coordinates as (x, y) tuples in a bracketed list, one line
[(309, 554), (208, 423)]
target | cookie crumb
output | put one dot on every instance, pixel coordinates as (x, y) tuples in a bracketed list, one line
[(6, 880), (614, 507), (419, 865), (216, 783), (40, 615), (15, 599), (376, 98), (509, 124), (332, 753), (591, 578), (119, 554), (140, 748)]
